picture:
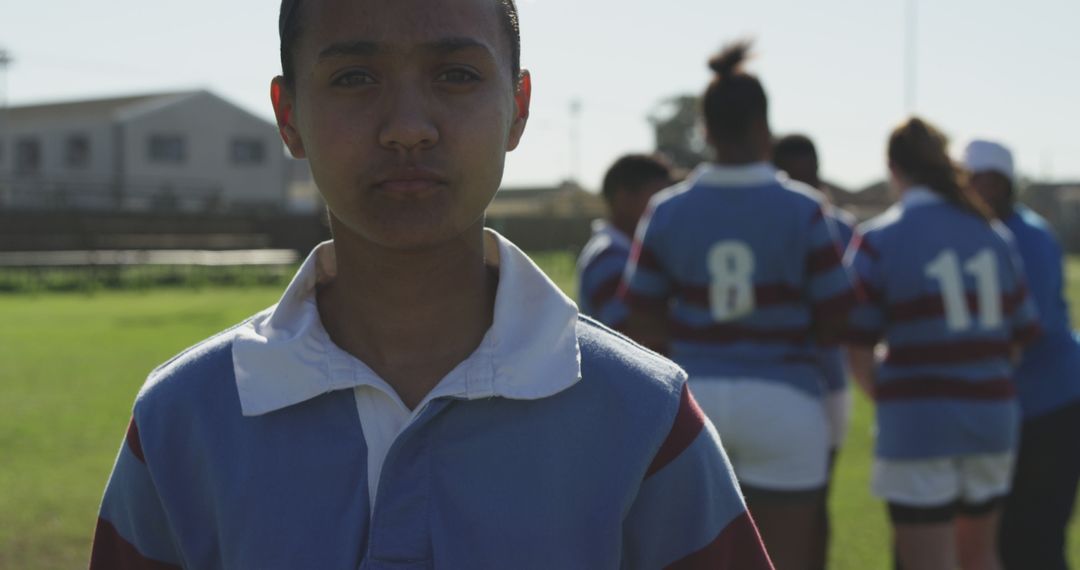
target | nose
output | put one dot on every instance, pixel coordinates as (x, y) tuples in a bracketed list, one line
[(408, 123)]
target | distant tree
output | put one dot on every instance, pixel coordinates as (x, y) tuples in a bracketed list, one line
[(679, 132)]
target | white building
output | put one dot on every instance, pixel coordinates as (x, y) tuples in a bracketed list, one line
[(186, 151)]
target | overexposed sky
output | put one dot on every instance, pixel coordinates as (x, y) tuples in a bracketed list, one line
[(834, 69)]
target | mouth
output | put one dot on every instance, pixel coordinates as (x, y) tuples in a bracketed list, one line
[(410, 181)]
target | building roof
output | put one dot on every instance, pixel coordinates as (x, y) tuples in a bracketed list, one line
[(107, 108)]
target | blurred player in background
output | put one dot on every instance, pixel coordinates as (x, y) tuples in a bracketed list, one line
[(628, 186), (948, 299), (744, 265), (797, 156), (1040, 505)]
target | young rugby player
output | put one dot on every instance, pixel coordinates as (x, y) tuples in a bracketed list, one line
[(746, 267), (948, 299), (797, 156), (1037, 511), (628, 186), (422, 396)]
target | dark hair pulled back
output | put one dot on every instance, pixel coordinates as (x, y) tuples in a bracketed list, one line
[(735, 100), (920, 152)]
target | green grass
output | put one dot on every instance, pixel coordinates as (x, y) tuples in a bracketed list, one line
[(71, 363)]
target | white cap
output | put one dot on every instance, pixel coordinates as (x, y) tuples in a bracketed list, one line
[(988, 156)]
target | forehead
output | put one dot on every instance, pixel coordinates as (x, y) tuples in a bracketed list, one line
[(400, 25)]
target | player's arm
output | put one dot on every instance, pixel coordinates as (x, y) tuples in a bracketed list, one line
[(132, 528), (867, 319), (689, 512), (829, 286), (646, 289)]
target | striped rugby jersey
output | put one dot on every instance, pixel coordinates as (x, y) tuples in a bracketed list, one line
[(615, 468), (743, 262), (947, 295), (833, 360), (600, 269), (1048, 377)]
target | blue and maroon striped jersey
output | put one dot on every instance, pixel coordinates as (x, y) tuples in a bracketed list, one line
[(946, 293), (600, 270), (743, 262), (618, 468), (1048, 377), (833, 360)]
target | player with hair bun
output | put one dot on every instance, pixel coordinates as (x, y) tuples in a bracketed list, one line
[(737, 271), (947, 297)]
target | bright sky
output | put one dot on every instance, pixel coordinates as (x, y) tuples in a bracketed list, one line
[(834, 69)]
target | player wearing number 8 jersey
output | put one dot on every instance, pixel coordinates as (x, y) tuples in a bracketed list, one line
[(741, 268), (948, 298)]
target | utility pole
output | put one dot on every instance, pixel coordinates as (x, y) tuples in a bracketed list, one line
[(911, 57), (6, 145), (575, 140)]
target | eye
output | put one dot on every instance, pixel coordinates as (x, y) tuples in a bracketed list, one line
[(353, 78), (459, 75)]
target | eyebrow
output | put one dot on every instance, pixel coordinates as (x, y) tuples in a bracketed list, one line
[(366, 48)]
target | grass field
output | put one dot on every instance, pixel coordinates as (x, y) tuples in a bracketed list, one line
[(70, 365)]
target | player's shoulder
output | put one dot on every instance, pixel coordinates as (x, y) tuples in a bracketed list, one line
[(799, 191), (1030, 226), (625, 371), (603, 244), (883, 223), (202, 372)]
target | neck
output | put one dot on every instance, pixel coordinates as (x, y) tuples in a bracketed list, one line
[(411, 316), (738, 155)]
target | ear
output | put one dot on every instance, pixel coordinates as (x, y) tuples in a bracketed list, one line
[(522, 99), (281, 96)]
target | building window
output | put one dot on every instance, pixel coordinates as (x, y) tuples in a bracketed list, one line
[(77, 151), (247, 151), (167, 149), (27, 156)]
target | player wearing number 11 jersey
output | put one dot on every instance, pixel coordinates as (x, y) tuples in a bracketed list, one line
[(947, 297), (742, 268)]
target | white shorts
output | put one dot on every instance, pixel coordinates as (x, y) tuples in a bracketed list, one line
[(838, 413), (970, 479), (776, 435)]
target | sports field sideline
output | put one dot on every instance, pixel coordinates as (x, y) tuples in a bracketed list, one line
[(70, 365)]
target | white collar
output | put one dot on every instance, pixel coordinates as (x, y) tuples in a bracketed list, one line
[(283, 356), (617, 237), (755, 174), (919, 196)]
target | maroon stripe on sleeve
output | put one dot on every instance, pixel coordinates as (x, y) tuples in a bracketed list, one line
[(765, 295), (952, 388), (727, 334), (1027, 334), (838, 306), (860, 337), (645, 259), (689, 421), (737, 547), (111, 552), (947, 352), (1012, 302), (133, 441), (859, 243), (822, 259), (605, 292)]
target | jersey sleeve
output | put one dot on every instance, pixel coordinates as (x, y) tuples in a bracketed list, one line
[(828, 286), (1023, 317), (689, 513), (867, 321), (646, 285), (132, 528), (599, 286)]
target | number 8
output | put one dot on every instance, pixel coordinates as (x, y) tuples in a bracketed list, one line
[(731, 288)]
